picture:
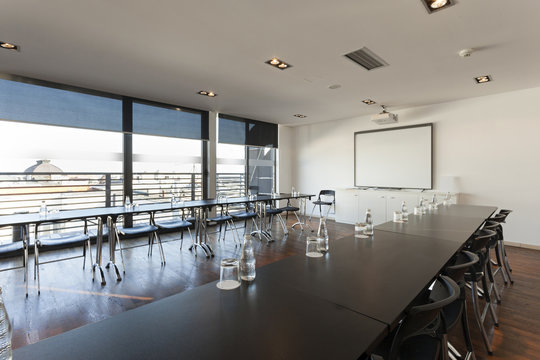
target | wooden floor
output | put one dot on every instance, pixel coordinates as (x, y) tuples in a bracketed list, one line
[(70, 299)]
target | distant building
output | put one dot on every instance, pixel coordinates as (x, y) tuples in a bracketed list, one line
[(42, 170)]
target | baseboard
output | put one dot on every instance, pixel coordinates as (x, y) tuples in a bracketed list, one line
[(525, 246)]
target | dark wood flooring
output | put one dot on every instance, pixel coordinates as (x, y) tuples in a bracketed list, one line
[(70, 299)]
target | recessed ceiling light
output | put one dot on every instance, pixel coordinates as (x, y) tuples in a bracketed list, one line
[(436, 5), (207, 93), (482, 79), (368, 102), (300, 116), (9, 46), (277, 63), (334, 87)]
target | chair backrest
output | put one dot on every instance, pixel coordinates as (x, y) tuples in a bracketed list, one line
[(460, 264), (330, 193), (480, 239), (425, 318)]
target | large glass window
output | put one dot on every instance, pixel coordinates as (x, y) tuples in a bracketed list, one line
[(261, 169), (231, 170), (163, 166), (68, 168)]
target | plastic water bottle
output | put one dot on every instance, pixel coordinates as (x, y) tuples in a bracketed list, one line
[(369, 223), (434, 201), (247, 261), (43, 209), (5, 332), (127, 204), (404, 212), (322, 234), (446, 200), (422, 205)]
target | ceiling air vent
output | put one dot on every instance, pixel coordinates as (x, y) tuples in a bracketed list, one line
[(366, 58)]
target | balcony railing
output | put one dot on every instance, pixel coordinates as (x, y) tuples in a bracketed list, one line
[(25, 192)]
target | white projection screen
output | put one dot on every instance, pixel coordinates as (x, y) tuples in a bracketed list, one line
[(394, 158)]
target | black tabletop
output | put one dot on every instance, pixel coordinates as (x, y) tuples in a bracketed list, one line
[(35, 218), (377, 277), (261, 321), (446, 224)]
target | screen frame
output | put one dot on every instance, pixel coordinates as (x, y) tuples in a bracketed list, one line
[(430, 125)]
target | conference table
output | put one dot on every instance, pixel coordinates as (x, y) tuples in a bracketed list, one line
[(102, 213), (338, 306)]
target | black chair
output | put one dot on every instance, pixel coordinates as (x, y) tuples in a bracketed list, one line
[(175, 224), (18, 248), (140, 229), (246, 215), (222, 218), (325, 198), (60, 241), (422, 333), (501, 219), (456, 312), (479, 244), (294, 209)]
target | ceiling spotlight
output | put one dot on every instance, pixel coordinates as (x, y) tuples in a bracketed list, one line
[(277, 63), (207, 93), (436, 5), (300, 116), (482, 79), (9, 46), (334, 87), (368, 102)]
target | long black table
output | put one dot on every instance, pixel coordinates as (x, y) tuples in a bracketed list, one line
[(338, 306), (454, 222), (263, 320)]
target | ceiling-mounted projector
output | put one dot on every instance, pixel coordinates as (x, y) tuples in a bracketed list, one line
[(384, 117)]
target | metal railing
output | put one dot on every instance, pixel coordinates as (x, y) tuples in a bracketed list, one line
[(25, 192)]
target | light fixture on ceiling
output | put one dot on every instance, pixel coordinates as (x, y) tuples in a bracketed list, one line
[(300, 116), (334, 87), (483, 79), (436, 5), (277, 63), (9, 46), (368, 102), (207, 93)]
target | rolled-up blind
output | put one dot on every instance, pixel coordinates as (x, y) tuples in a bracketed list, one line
[(33, 103), (235, 130), (169, 121)]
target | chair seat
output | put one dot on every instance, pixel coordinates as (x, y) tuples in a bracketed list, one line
[(220, 218), (290, 208), (190, 218), (137, 230), (272, 211), (62, 239), (244, 215), (11, 248), (173, 224), (320, 202)]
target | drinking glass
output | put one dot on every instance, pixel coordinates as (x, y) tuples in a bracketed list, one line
[(312, 247), (229, 274)]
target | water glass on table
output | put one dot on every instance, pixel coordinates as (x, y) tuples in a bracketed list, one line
[(229, 274), (312, 247)]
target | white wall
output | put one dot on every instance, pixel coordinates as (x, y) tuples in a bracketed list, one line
[(491, 143)]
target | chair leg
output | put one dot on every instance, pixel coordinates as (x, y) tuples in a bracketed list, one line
[(466, 330), (478, 318), (160, 246), (36, 254), (120, 247), (492, 281), (283, 225), (26, 268), (507, 267), (489, 302), (312, 210), (150, 244)]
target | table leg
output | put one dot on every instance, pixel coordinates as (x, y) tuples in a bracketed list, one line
[(99, 250), (113, 237)]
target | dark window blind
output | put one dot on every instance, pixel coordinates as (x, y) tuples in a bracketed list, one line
[(234, 130), (172, 122), (20, 101)]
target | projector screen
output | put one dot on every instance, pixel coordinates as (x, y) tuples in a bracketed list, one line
[(394, 158)]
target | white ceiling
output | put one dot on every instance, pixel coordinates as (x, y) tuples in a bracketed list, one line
[(167, 50)]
